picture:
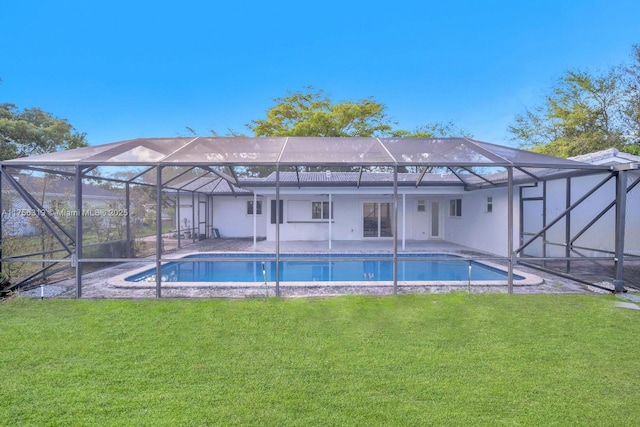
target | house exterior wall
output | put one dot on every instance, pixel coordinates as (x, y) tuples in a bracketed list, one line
[(298, 223), (348, 221), (479, 229), (228, 214), (476, 227)]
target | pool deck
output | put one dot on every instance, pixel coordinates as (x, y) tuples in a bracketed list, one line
[(106, 282)]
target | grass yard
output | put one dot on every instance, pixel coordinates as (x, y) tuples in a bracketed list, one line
[(443, 359)]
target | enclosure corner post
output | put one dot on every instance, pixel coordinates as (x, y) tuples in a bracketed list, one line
[(510, 228), (77, 256), (621, 207)]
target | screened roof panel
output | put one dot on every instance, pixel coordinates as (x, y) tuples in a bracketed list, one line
[(68, 156), (434, 151), (241, 151), (140, 151), (526, 158), (358, 151), (293, 151)]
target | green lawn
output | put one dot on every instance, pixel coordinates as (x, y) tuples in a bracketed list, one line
[(444, 359)]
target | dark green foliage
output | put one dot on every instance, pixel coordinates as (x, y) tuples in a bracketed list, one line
[(585, 112), (31, 131)]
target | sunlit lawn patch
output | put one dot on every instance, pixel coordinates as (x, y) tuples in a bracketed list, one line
[(407, 360)]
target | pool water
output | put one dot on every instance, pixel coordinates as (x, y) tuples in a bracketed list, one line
[(322, 268)]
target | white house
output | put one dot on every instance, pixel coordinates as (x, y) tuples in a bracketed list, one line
[(330, 207), (488, 197)]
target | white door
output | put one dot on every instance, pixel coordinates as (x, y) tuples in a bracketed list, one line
[(435, 226), (421, 224)]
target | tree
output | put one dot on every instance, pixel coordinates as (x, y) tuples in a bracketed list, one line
[(432, 130), (31, 131), (585, 112), (312, 113), (631, 107)]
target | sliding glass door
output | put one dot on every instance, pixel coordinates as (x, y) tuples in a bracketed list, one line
[(376, 219)]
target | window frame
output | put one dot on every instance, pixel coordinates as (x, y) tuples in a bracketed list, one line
[(455, 208), (250, 207), (320, 213)]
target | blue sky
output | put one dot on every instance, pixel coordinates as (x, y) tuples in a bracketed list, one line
[(124, 69)]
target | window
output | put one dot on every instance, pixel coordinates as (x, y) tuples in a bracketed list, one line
[(489, 204), (320, 210), (280, 210), (455, 207), (422, 206), (258, 207)]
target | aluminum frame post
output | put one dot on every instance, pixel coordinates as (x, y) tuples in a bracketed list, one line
[(567, 226), (179, 227), (330, 220), (544, 221), (77, 256), (158, 231), (510, 228), (193, 217), (127, 203), (621, 207), (1, 209), (395, 228), (278, 213)]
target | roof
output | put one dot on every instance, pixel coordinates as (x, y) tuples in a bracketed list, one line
[(299, 151), (215, 163), (612, 156)]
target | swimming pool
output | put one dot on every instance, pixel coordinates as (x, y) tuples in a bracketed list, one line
[(246, 268)]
